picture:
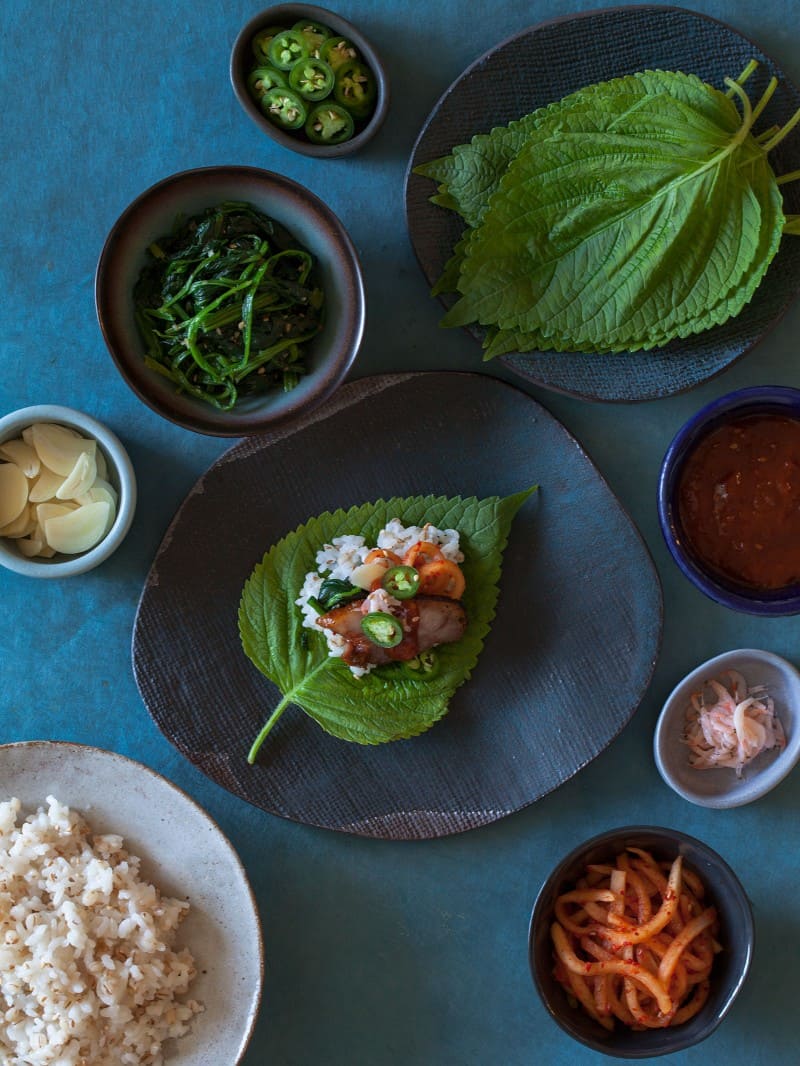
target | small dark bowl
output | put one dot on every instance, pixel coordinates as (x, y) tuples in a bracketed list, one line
[(759, 400), (242, 63), (329, 355), (730, 966)]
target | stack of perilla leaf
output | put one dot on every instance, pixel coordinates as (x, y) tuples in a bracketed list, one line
[(628, 214)]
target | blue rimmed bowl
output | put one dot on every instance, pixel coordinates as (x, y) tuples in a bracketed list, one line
[(758, 400)]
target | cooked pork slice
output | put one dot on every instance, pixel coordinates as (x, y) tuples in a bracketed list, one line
[(427, 621)]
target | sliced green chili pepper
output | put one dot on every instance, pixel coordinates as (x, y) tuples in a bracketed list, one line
[(402, 582), (314, 33), (312, 78), (263, 78), (285, 108), (337, 50), (355, 88), (329, 123), (423, 667), (382, 629), (261, 42), (286, 48)]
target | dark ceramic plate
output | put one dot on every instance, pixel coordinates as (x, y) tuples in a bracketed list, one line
[(549, 61), (522, 724)]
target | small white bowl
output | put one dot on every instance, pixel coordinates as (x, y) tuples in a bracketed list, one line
[(722, 788), (120, 475)]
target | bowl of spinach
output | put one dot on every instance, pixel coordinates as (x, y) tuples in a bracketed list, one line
[(230, 299)]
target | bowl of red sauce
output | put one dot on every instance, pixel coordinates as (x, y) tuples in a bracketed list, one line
[(729, 500)]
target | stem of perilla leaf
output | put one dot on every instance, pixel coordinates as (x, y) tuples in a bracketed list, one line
[(270, 722)]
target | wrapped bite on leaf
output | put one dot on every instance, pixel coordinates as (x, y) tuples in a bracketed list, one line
[(369, 619)]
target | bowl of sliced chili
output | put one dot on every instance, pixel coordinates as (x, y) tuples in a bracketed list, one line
[(231, 299), (310, 80)]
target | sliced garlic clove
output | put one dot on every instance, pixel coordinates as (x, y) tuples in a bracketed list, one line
[(46, 511), (78, 531), (59, 448), (101, 491), (101, 483), (27, 436), (80, 479), (102, 465), (367, 573), (17, 451), (22, 526), (31, 546), (13, 492), (45, 486)]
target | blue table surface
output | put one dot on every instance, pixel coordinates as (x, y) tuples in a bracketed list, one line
[(376, 953)]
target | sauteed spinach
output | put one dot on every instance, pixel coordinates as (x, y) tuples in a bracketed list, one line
[(226, 304)]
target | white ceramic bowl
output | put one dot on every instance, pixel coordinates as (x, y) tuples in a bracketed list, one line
[(183, 853), (120, 475), (721, 788)]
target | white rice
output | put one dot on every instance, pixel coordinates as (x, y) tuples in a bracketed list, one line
[(343, 555), (88, 974)]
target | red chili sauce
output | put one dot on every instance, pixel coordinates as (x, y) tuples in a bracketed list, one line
[(739, 501)]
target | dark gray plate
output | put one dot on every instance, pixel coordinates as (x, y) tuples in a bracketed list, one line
[(521, 725), (549, 61)]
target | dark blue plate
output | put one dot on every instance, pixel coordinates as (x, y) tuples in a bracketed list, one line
[(545, 63), (566, 663)]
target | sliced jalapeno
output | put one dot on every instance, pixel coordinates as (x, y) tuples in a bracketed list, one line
[(423, 667), (264, 78), (314, 33), (337, 50), (329, 123), (286, 48), (355, 88), (261, 42), (402, 582), (285, 108), (312, 78), (382, 629)]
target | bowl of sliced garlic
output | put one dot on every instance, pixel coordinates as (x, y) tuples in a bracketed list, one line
[(67, 491)]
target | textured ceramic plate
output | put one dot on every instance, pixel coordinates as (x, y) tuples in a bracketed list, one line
[(549, 61), (522, 724), (185, 854)]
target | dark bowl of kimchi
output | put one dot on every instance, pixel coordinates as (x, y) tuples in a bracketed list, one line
[(714, 899), (729, 500), (280, 383)]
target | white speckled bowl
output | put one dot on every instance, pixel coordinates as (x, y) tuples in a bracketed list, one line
[(183, 853), (120, 475), (722, 788)]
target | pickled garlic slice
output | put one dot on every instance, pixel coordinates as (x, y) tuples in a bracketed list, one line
[(78, 530), (54, 496), (58, 448), (13, 493)]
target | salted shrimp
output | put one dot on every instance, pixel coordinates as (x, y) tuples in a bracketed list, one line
[(728, 725)]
